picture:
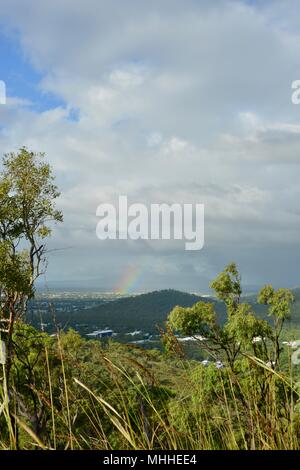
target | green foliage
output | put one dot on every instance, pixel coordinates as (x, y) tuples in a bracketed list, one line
[(279, 302), (227, 285), (243, 331), (198, 319), (244, 326), (27, 205), (75, 393), (14, 271)]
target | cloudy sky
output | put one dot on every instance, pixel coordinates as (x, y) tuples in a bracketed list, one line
[(165, 101)]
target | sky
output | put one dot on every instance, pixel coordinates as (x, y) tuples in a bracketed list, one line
[(175, 101)]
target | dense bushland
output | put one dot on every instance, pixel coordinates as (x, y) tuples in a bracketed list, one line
[(72, 393)]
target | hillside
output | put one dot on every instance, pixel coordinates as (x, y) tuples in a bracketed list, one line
[(138, 312)]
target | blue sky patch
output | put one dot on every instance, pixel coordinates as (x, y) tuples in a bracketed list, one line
[(21, 79)]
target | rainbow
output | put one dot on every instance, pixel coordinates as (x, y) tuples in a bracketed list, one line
[(130, 278)]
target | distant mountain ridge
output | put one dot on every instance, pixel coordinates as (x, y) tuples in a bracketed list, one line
[(142, 311), (145, 311)]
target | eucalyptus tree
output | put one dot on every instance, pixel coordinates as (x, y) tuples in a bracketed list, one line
[(244, 332), (27, 209)]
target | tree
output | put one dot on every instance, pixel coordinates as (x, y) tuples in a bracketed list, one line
[(27, 207), (279, 303), (243, 332)]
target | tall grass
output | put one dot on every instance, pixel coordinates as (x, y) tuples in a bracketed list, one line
[(204, 409)]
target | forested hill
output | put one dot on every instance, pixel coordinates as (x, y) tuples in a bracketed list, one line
[(138, 312), (142, 311)]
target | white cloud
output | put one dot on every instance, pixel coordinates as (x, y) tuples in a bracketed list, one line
[(177, 102)]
